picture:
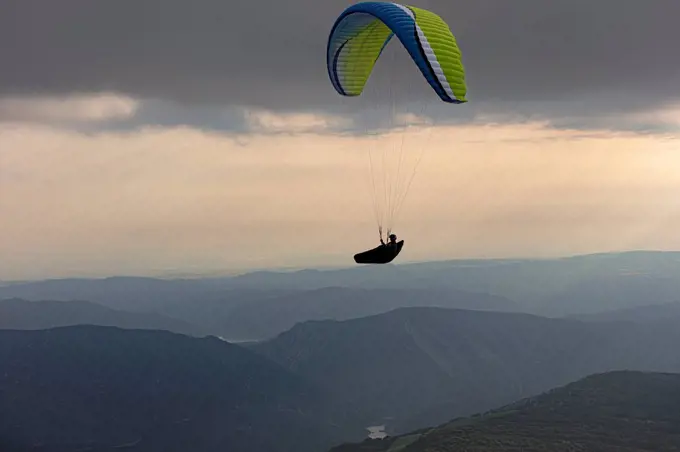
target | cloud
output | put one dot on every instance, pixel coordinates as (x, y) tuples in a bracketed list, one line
[(68, 109), (263, 121), (558, 60), (666, 118)]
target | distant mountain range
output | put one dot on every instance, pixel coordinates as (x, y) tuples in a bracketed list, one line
[(615, 411), (315, 386), (415, 367), (640, 314), (405, 346), (104, 389), (35, 315), (551, 287), (268, 317), (262, 316)]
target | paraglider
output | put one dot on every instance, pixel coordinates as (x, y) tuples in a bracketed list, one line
[(356, 42), (383, 254)]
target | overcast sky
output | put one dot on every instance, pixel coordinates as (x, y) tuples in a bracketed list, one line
[(147, 136)]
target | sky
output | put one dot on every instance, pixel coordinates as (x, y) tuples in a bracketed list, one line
[(157, 137)]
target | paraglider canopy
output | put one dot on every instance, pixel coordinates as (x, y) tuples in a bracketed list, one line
[(362, 31)]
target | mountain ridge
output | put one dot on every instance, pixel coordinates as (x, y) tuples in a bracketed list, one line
[(99, 387), (554, 287), (613, 411), (430, 363), (16, 313)]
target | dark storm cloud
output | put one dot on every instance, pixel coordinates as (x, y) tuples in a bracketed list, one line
[(557, 59)]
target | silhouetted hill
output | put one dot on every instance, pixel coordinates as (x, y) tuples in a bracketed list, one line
[(553, 287), (579, 284), (419, 366), (100, 388), (266, 318), (665, 312), (204, 303), (35, 315), (611, 412), (175, 297), (613, 293)]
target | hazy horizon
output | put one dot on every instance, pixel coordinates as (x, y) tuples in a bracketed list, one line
[(208, 273)]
